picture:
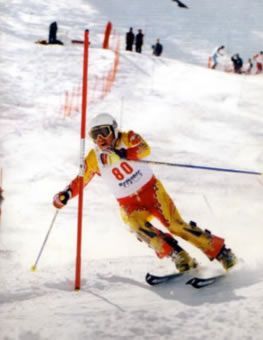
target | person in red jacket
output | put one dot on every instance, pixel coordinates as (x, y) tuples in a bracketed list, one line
[(259, 61), (117, 158)]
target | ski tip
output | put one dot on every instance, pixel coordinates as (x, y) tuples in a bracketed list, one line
[(154, 280), (194, 282), (191, 281), (198, 282), (151, 279)]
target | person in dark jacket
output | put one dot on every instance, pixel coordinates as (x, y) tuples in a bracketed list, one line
[(139, 41), (157, 48), (129, 40), (52, 38), (237, 63)]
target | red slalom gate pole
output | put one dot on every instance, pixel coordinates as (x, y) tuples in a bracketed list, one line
[(82, 156), (107, 35)]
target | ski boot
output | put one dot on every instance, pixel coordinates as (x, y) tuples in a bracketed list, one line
[(227, 258), (183, 261)]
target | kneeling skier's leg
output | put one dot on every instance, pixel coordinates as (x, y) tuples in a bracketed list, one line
[(168, 214), (162, 243)]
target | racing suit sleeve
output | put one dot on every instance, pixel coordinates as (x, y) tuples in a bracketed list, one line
[(91, 169)]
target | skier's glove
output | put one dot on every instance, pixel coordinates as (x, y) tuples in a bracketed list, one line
[(111, 156), (61, 199), (122, 153)]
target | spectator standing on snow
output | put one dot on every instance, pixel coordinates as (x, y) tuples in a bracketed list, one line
[(139, 41), (248, 66), (116, 157), (237, 63), (129, 40), (52, 37), (219, 51), (157, 48)]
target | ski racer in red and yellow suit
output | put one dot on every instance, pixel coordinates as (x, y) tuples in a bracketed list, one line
[(141, 196)]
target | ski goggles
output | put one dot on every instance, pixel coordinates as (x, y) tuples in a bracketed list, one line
[(103, 131)]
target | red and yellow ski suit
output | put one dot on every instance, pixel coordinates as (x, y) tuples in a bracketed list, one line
[(141, 196)]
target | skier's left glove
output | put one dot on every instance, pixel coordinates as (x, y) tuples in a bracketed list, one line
[(122, 153), (112, 156)]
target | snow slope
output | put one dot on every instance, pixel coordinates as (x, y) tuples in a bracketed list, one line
[(189, 115)]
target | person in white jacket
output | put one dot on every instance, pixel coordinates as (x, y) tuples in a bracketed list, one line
[(219, 51)]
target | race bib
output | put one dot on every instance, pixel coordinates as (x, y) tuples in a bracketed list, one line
[(125, 177)]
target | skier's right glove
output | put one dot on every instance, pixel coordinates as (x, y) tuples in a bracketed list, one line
[(61, 199)]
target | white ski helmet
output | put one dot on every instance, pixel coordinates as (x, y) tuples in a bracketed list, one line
[(104, 119)]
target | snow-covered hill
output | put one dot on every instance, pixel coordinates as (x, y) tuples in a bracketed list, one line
[(189, 115)]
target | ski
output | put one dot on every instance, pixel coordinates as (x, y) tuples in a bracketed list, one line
[(198, 282), (154, 280), (195, 282)]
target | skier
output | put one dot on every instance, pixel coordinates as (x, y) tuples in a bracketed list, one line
[(219, 51), (141, 196)]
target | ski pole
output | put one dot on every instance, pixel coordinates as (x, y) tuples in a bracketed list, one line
[(34, 267), (202, 167)]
